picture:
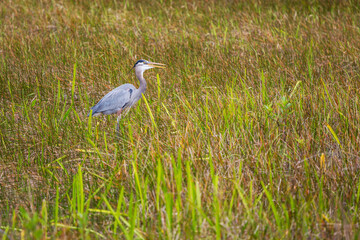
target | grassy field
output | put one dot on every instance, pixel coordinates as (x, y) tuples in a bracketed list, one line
[(252, 131)]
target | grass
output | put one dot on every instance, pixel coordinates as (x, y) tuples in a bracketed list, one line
[(252, 130)]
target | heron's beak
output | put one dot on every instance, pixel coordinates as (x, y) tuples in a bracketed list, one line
[(156, 65)]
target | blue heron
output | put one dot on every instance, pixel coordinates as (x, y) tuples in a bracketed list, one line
[(122, 98)]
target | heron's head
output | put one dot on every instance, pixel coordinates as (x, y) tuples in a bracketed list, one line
[(143, 65)]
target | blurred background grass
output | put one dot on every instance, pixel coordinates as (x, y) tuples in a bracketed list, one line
[(252, 131)]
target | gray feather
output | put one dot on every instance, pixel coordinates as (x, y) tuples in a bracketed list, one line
[(115, 100)]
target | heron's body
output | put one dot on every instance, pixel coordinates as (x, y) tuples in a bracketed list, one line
[(124, 96), (116, 100)]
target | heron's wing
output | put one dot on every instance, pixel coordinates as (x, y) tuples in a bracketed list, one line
[(115, 100)]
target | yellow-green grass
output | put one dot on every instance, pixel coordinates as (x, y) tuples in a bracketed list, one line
[(252, 130)]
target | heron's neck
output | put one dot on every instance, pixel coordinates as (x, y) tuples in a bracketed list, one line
[(139, 75)]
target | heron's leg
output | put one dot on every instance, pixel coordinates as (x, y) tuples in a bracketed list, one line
[(118, 121)]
